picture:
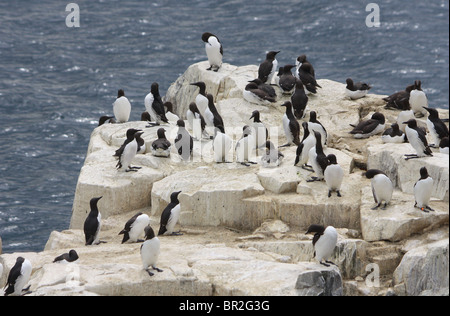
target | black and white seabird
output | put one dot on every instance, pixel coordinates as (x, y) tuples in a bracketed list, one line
[(291, 126), (130, 149), (273, 157), (307, 74), (201, 99), (70, 257), (287, 80), (423, 190), (269, 89), (130, 136), (184, 143), (334, 175), (134, 228), (170, 115), (318, 159), (373, 126), (356, 90), (122, 107), (18, 277), (393, 135), (244, 147), (196, 122), (222, 144), (324, 243), (418, 140), (382, 187), (155, 107), (150, 250), (399, 100), (436, 126), (170, 216), (131, 133), (268, 67), (302, 154), (418, 99), (315, 125), (443, 146), (254, 94), (93, 224), (299, 100), (214, 51), (162, 146), (259, 131), (212, 116), (105, 119)]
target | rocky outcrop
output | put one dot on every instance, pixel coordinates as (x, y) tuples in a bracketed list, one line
[(244, 226)]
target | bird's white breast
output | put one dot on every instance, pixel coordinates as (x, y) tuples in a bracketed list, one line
[(122, 109), (150, 252), (422, 191)]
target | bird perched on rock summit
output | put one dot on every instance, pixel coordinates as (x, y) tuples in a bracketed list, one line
[(214, 51)]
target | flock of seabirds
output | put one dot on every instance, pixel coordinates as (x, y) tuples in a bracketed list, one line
[(411, 102)]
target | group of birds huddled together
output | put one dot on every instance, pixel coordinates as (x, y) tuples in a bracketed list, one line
[(135, 227), (412, 102)]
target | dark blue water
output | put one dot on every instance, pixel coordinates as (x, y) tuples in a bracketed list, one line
[(55, 82)]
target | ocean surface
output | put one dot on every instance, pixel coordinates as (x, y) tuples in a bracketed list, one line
[(56, 81)]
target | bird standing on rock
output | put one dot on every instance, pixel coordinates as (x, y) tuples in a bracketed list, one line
[(122, 107), (334, 175), (18, 277), (299, 100), (155, 107), (184, 143), (315, 126), (150, 251), (212, 116), (324, 243), (201, 99), (423, 189), (318, 159), (214, 51), (196, 122), (291, 126), (417, 138), (436, 126), (134, 228), (307, 74), (268, 67), (129, 152), (418, 99), (170, 216), (382, 187), (302, 154), (93, 224)]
